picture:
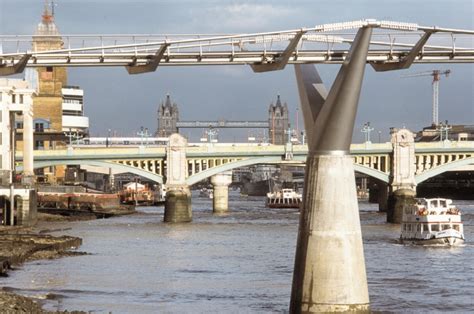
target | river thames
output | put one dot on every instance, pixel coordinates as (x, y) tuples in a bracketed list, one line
[(241, 262)]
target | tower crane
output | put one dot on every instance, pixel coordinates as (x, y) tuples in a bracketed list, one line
[(436, 74)]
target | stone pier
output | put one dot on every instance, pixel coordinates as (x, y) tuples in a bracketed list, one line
[(397, 202), (178, 205), (402, 181), (378, 193), (329, 273), (220, 183), (178, 194)]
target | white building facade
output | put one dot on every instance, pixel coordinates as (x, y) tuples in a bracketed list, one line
[(16, 98), (73, 118)]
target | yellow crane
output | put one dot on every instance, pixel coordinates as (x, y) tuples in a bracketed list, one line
[(436, 74)]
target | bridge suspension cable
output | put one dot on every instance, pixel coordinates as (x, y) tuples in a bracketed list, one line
[(394, 46)]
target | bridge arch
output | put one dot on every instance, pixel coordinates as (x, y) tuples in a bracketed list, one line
[(443, 168), (273, 160), (231, 165), (97, 163), (382, 176)]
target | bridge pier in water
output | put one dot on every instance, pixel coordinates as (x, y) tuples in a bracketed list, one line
[(378, 193), (329, 273), (220, 183), (178, 194), (403, 184), (178, 205)]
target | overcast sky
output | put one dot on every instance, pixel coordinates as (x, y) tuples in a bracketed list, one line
[(114, 100)]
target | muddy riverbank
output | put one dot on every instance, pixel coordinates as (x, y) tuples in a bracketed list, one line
[(18, 245)]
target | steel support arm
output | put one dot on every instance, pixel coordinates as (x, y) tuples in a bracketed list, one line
[(406, 62), (281, 61), (16, 68), (151, 66)]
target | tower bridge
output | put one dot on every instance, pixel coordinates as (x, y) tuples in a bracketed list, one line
[(277, 123), (226, 124)]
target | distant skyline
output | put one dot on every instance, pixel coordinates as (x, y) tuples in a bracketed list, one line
[(117, 101)]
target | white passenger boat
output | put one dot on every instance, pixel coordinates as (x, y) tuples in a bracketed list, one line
[(433, 221), (284, 198)]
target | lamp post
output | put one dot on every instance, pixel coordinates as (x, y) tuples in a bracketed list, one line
[(289, 134), (210, 134), (107, 138), (143, 132), (444, 130), (146, 136), (367, 129), (70, 135)]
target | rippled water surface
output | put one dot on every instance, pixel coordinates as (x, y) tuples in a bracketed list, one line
[(240, 262)]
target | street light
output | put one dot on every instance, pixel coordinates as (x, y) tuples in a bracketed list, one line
[(211, 133), (70, 135), (107, 138), (444, 129), (367, 129)]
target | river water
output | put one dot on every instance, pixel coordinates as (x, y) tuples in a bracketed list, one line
[(238, 263)]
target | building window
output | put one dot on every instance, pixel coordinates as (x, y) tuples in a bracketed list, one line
[(13, 99), (49, 69), (39, 127), (39, 145)]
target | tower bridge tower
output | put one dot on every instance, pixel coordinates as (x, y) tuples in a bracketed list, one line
[(168, 116), (278, 122)]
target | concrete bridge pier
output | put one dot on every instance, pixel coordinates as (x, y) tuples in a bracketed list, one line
[(329, 273), (403, 184), (397, 202), (178, 204), (178, 194), (382, 197), (378, 193), (220, 183)]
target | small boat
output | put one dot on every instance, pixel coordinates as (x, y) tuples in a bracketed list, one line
[(205, 192), (284, 198), (432, 221), (137, 194)]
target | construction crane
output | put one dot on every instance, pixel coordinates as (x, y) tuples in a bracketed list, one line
[(436, 74)]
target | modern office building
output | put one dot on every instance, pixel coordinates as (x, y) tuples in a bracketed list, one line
[(73, 119)]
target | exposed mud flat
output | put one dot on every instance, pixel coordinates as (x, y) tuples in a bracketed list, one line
[(18, 245)]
